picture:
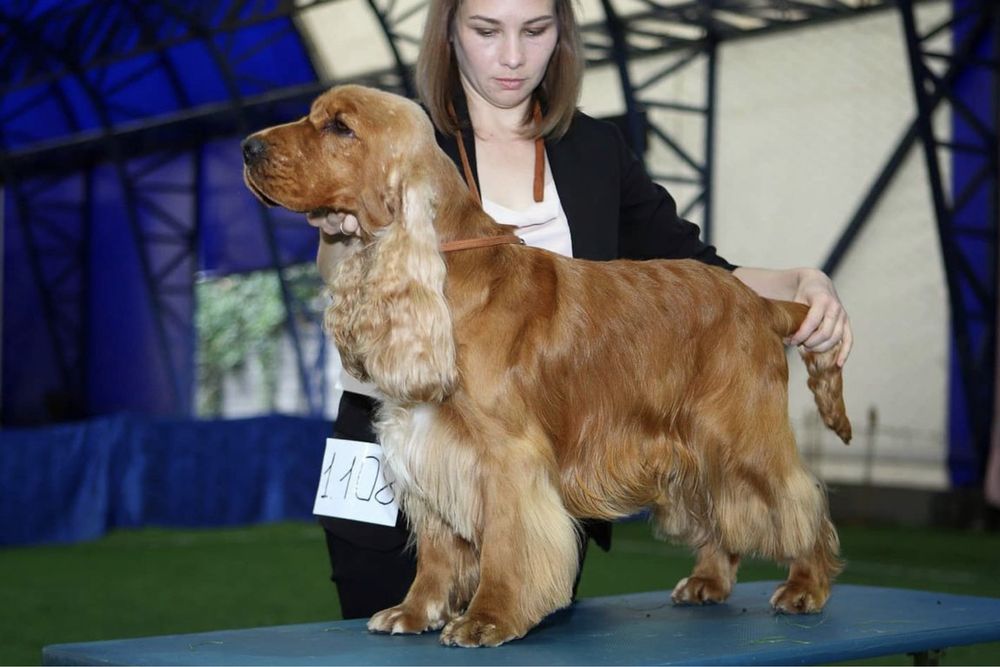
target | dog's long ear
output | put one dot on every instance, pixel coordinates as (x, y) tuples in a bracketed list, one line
[(348, 311), (402, 335)]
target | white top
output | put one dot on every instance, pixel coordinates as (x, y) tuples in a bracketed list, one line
[(542, 225)]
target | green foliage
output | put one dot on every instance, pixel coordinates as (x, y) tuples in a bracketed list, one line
[(241, 317)]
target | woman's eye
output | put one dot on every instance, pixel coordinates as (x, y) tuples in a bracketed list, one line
[(536, 32), (485, 33)]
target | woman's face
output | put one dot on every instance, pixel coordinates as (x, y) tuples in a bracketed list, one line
[(503, 47)]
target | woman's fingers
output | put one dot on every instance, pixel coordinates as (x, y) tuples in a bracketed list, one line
[(846, 344), (812, 322), (825, 325), (325, 223), (829, 333), (334, 223), (832, 330), (348, 224)]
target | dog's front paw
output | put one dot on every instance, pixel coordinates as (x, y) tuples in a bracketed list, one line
[(700, 590), (479, 630), (405, 619), (796, 597)]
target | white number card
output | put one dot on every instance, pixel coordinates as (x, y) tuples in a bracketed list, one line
[(355, 483)]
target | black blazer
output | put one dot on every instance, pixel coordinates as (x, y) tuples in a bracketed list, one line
[(614, 209)]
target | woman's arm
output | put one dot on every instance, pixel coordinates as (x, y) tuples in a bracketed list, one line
[(827, 322)]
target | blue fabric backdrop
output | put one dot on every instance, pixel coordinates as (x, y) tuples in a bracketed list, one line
[(77, 481), (99, 263), (976, 91)]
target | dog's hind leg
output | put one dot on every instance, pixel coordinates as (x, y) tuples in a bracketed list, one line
[(529, 552), (784, 517), (447, 572), (711, 580), (680, 514), (811, 575)]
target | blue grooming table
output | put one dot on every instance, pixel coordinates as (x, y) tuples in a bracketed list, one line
[(637, 629)]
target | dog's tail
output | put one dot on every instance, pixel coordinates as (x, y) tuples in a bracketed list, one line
[(825, 379)]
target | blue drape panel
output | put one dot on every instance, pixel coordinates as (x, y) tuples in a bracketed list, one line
[(77, 481), (976, 89), (97, 306)]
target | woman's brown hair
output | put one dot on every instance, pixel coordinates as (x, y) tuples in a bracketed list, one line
[(558, 93)]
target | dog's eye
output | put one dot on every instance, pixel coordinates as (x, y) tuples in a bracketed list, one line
[(338, 126)]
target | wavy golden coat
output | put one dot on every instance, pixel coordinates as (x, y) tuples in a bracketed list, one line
[(524, 390)]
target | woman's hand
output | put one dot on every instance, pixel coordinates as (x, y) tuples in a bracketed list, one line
[(827, 322), (333, 223)]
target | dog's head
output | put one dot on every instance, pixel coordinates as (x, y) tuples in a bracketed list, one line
[(373, 154), (349, 154)]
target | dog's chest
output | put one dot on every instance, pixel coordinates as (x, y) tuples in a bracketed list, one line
[(403, 433), (433, 471)]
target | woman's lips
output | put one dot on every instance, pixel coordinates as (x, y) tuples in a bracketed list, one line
[(510, 84)]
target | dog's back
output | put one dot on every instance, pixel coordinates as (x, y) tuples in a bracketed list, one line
[(623, 345), (659, 384)]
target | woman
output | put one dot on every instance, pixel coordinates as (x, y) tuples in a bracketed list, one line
[(501, 80)]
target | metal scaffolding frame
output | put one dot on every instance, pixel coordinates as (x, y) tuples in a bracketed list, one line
[(972, 285), (109, 33), (666, 37)]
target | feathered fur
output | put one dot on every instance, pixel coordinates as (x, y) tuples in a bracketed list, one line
[(526, 390)]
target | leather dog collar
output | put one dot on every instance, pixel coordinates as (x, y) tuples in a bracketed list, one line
[(482, 242)]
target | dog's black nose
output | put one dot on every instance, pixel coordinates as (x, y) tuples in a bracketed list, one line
[(253, 149)]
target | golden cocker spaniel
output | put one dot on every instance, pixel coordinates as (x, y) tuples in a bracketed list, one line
[(524, 390)]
